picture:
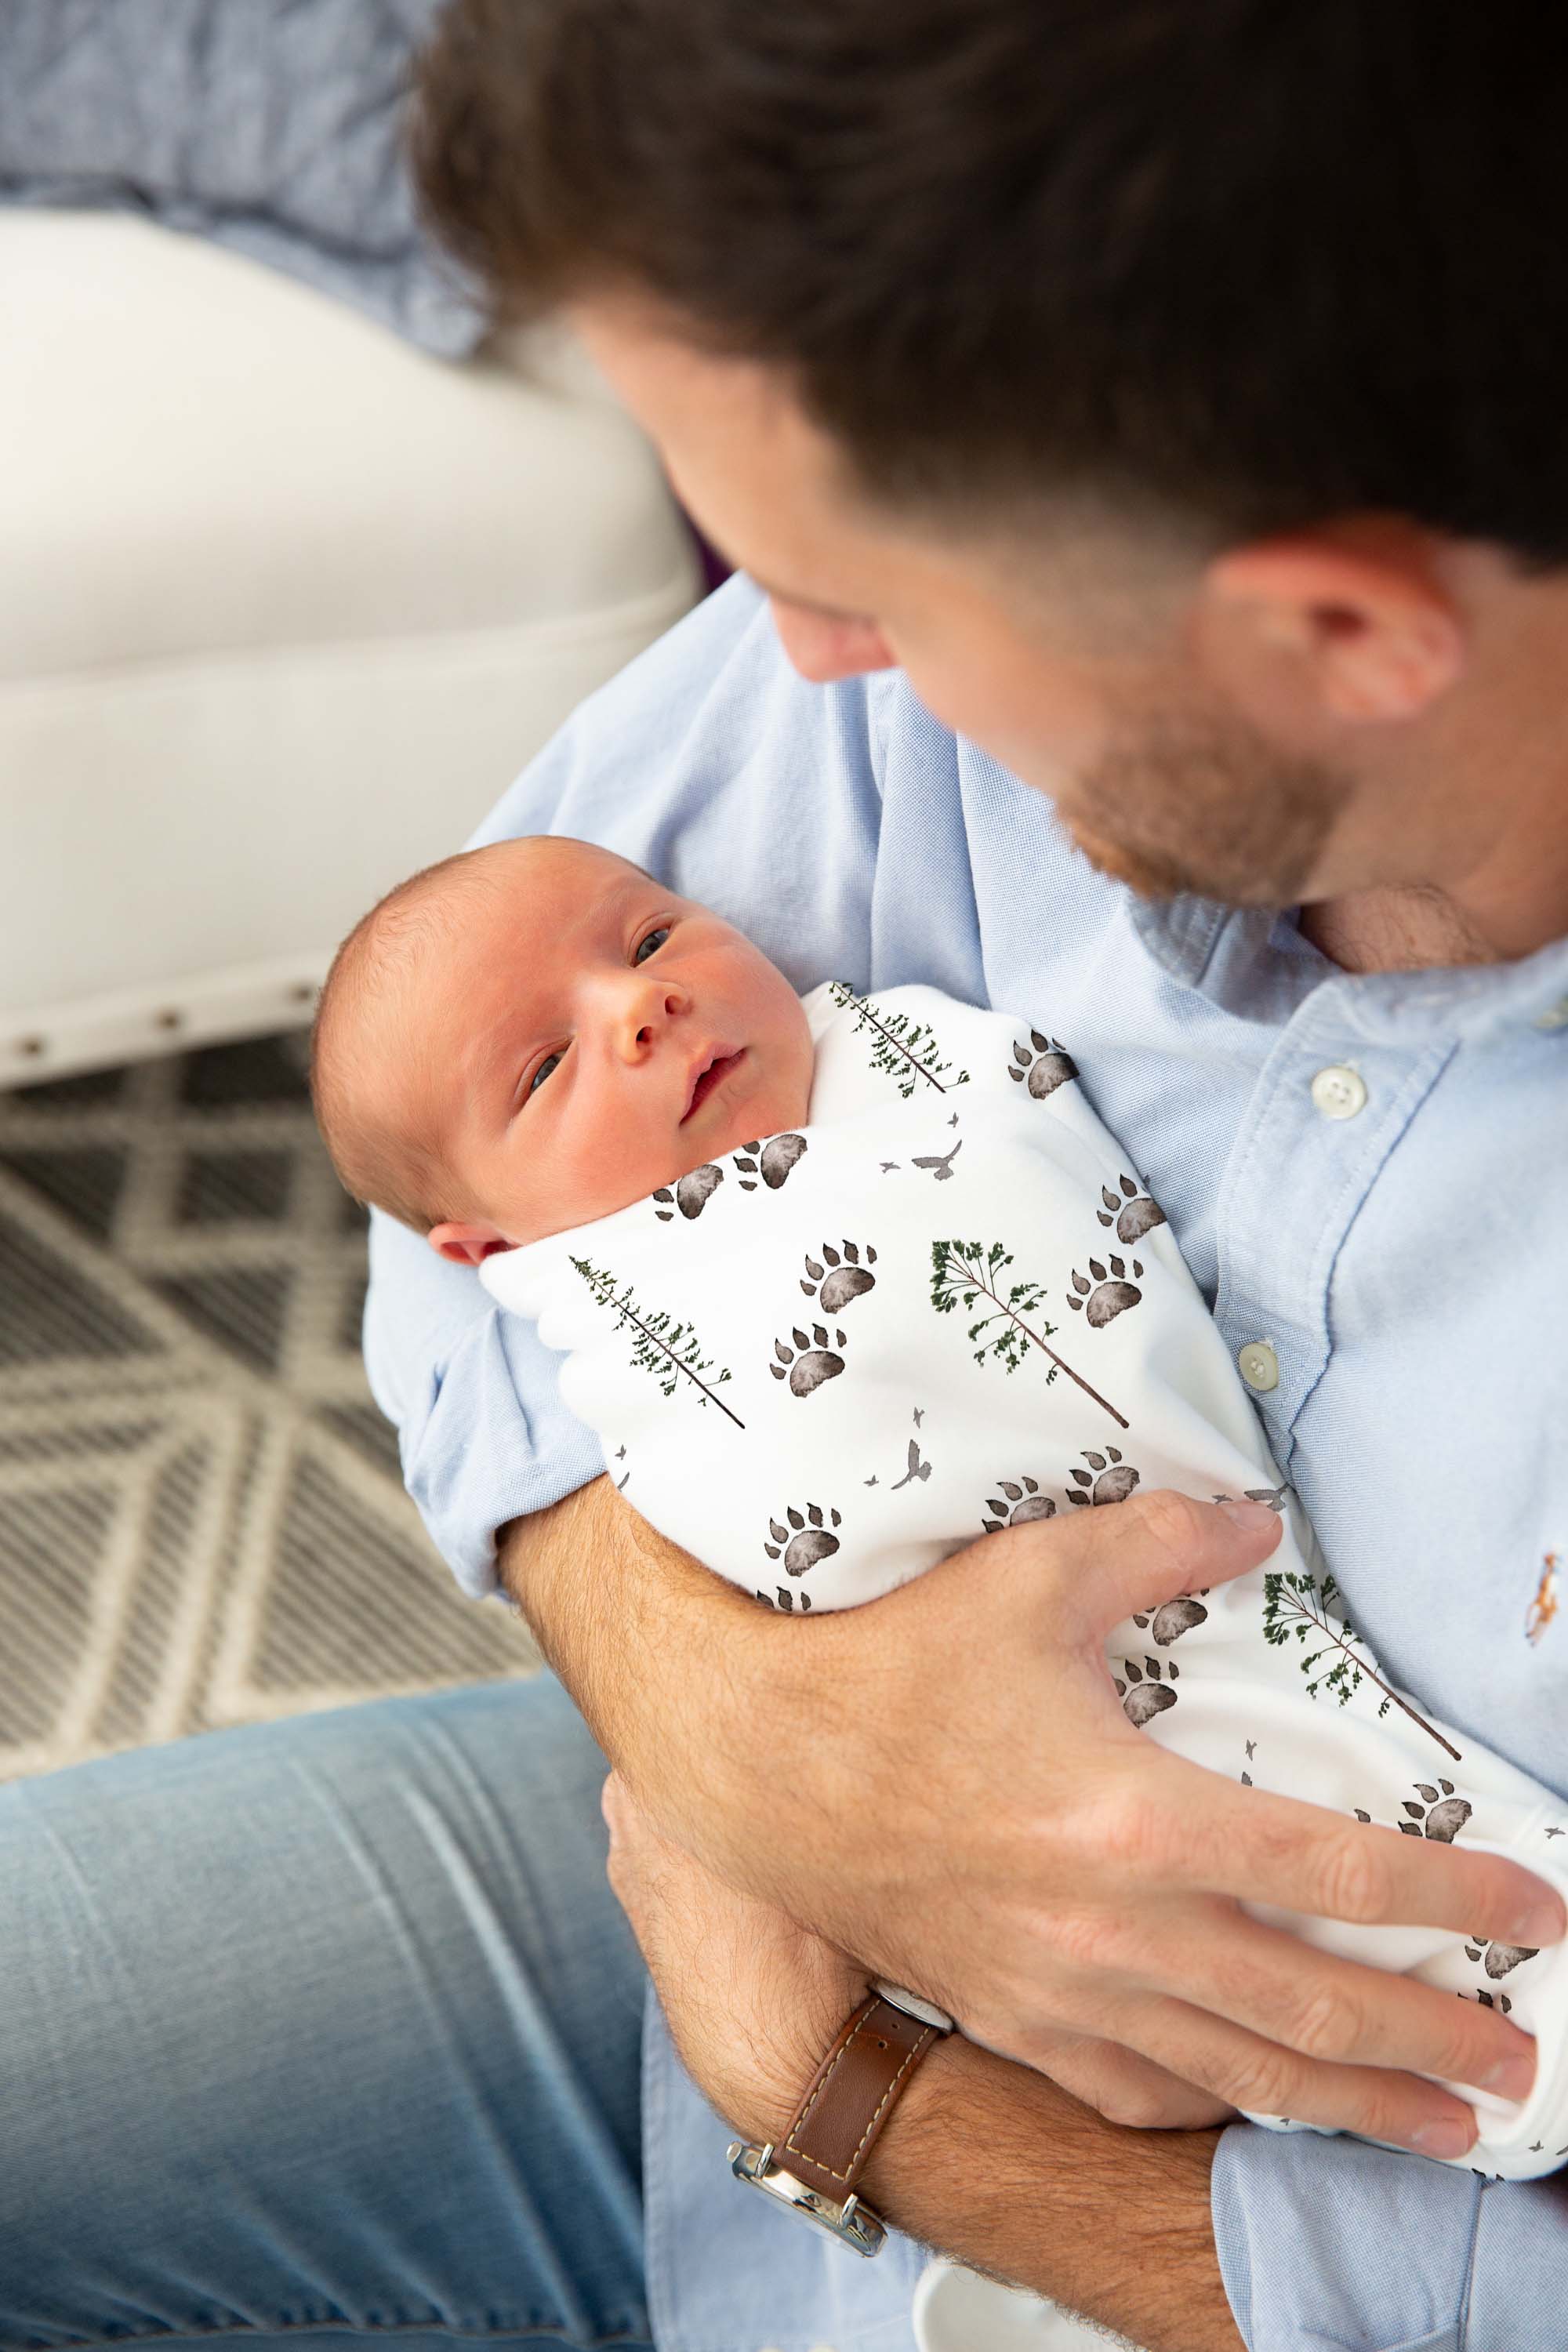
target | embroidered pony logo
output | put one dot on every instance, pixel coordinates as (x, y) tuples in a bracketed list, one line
[(1543, 1608)]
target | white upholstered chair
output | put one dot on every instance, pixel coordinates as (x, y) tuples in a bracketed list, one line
[(284, 604)]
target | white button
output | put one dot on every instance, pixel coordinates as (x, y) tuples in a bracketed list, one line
[(1259, 1365), (1339, 1092), (1555, 1015)]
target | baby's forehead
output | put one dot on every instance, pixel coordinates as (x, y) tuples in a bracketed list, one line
[(511, 909), (558, 865), (503, 912)]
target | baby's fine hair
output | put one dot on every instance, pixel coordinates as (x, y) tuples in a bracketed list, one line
[(379, 1158)]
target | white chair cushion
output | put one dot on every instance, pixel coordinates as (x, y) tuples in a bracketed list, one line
[(284, 603)]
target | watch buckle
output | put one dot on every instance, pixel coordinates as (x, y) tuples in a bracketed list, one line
[(852, 2223)]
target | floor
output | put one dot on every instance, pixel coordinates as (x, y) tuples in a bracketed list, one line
[(201, 1517)]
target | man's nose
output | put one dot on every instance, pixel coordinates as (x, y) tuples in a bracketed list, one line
[(648, 1006), (823, 650)]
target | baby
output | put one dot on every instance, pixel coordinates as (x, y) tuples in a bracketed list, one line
[(843, 1285), (529, 1036)]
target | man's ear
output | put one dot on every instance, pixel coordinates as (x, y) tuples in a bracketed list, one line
[(1361, 618), (467, 1244)]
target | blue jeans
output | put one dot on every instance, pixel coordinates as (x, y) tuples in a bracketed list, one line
[(322, 2028)]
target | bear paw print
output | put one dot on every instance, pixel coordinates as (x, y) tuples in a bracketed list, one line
[(843, 1278), (1440, 1814), (771, 1161), (691, 1195), (1049, 1067), (1499, 1957), (1114, 1483), (1144, 1691), (783, 1599), (806, 1367), (1109, 1295), (1133, 1216), (1024, 1502), (1173, 1618), (805, 1541)]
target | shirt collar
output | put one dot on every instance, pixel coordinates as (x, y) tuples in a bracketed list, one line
[(1472, 1001)]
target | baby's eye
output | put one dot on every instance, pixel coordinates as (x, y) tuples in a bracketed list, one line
[(550, 1062), (652, 944)]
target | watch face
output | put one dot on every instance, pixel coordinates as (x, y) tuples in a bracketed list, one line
[(852, 2223)]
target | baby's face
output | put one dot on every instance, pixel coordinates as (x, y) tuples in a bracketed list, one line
[(596, 1036)]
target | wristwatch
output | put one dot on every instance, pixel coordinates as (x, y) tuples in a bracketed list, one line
[(814, 2169)]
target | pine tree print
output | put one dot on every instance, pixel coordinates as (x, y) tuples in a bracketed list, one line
[(964, 1273), (906, 1050), (1295, 1607), (668, 1351)]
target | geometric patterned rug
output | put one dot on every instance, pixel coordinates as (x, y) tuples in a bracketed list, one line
[(201, 1517)]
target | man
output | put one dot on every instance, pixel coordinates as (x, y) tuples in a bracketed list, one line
[(1165, 399), (1155, 395)]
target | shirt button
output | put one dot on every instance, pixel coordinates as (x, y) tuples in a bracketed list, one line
[(1555, 1015), (1259, 1365), (1339, 1092)]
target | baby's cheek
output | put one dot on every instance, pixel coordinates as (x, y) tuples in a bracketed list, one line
[(629, 1160), (779, 1107)]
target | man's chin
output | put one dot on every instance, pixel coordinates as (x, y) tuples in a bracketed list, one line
[(1149, 874), (1159, 877), (1195, 803)]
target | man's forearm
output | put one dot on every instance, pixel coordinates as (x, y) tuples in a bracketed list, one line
[(990, 2162), (997, 2167), (668, 1662)]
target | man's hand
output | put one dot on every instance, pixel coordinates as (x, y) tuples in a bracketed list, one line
[(981, 2158), (944, 1784), (700, 1934)]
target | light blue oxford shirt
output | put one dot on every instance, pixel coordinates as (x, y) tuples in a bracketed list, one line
[(1407, 1264)]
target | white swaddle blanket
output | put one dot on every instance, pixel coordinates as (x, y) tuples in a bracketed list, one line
[(949, 1306)]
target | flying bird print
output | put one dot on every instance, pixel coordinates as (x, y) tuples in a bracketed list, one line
[(916, 1469), (942, 1167)]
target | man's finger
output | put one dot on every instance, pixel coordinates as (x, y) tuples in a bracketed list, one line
[(1277, 1849), (1128, 2088), (1330, 2009), (1256, 2074), (614, 1804), (1148, 1550)]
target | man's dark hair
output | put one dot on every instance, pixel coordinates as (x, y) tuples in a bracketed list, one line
[(1259, 261)]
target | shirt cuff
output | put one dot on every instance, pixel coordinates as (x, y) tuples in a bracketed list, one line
[(494, 1443), (1328, 2242)]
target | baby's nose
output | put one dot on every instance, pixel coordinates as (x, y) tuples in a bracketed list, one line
[(649, 1013)]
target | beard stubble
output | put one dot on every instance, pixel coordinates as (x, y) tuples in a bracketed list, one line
[(1197, 803)]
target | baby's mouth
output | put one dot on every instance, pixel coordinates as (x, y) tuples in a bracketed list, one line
[(713, 1074)]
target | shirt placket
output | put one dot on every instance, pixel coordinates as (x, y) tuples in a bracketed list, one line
[(1328, 1110)]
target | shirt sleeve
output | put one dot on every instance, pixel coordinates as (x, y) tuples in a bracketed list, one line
[(1328, 2242), (709, 761)]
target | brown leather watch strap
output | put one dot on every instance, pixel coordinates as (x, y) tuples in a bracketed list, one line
[(872, 2058)]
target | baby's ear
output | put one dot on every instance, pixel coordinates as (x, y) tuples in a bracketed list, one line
[(466, 1244)]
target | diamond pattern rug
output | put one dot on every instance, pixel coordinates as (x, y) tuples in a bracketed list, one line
[(201, 1517)]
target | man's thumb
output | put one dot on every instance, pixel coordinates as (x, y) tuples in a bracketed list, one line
[(1153, 1546)]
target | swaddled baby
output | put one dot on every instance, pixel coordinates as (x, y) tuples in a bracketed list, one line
[(845, 1284)]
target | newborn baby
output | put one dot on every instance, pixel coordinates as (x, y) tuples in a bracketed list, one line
[(529, 1036), (843, 1285)]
